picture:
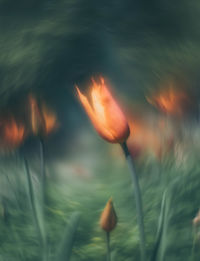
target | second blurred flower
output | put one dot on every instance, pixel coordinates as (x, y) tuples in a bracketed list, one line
[(42, 120)]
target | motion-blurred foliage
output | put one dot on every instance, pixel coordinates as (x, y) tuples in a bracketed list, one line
[(84, 186), (50, 45), (46, 47)]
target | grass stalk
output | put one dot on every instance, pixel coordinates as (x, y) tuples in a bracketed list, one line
[(193, 245), (42, 167), (41, 234)]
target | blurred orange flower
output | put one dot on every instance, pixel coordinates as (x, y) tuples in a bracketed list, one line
[(150, 135), (50, 121), (104, 113), (172, 101), (43, 121), (14, 133)]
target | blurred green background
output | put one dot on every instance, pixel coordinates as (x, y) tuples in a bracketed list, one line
[(48, 46)]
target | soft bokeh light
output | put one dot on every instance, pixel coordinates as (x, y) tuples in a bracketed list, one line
[(171, 100)]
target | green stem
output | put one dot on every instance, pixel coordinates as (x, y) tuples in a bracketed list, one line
[(108, 246), (41, 235), (193, 247), (138, 200), (42, 167), (5, 210), (43, 179)]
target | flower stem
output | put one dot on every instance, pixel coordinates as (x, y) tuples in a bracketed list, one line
[(42, 237), (43, 180), (42, 166), (108, 245), (193, 248), (138, 200)]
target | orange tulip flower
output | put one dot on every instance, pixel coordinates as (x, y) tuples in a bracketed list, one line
[(43, 121), (108, 220), (13, 133), (104, 113), (50, 121), (172, 101)]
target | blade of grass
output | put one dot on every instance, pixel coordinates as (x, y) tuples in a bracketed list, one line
[(161, 241), (66, 245), (37, 217), (160, 227), (42, 167)]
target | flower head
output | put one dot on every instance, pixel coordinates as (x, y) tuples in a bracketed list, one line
[(14, 133), (171, 101), (108, 220), (42, 120), (104, 112), (50, 121)]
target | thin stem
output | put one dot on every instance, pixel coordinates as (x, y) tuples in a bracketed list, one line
[(108, 246), (193, 245), (5, 210), (41, 235), (138, 200), (42, 166), (13, 189)]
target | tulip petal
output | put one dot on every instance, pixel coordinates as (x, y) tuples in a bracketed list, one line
[(105, 113), (94, 115)]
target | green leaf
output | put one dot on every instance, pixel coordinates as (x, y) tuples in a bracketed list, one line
[(161, 238), (66, 246)]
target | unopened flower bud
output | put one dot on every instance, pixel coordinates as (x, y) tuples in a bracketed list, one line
[(108, 220)]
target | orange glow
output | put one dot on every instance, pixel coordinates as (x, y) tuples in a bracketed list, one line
[(43, 121), (143, 137), (50, 121), (35, 117), (148, 138), (13, 133), (171, 101), (104, 113)]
